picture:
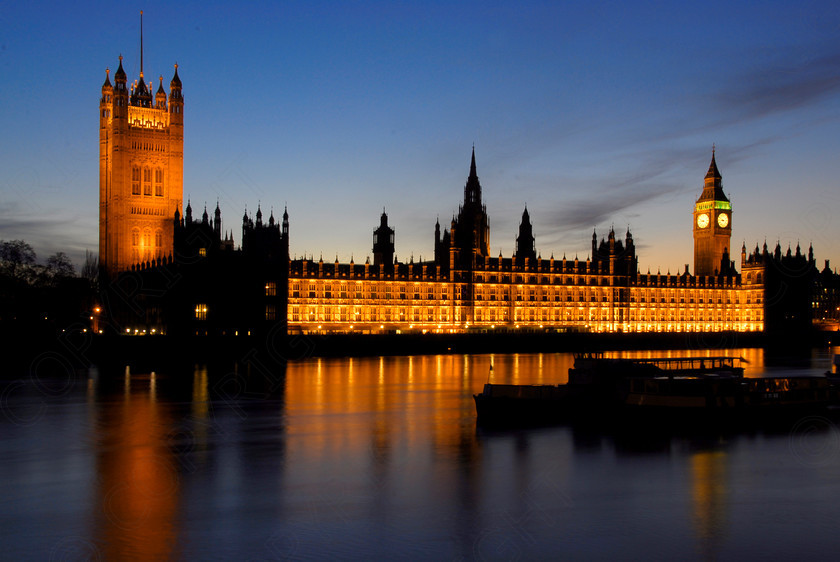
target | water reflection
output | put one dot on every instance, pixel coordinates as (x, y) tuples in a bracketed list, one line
[(137, 489), (381, 457), (709, 497)]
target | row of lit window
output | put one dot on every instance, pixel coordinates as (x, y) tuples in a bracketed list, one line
[(387, 314), (143, 177), (146, 239), (201, 312), (531, 296)]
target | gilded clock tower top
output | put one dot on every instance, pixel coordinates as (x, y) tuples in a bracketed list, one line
[(712, 225), (713, 189)]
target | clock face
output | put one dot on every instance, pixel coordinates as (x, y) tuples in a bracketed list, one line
[(723, 220), (703, 220)]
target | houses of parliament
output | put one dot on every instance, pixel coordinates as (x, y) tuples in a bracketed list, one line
[(173, 273)]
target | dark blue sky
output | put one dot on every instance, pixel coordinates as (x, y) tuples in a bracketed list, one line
[(593, 114)]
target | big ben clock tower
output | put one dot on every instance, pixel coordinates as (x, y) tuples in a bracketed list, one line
[(712, 224)]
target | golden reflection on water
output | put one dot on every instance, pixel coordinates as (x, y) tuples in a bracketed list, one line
[(394, 416), (709, 498), (137, 488), (751, 359)]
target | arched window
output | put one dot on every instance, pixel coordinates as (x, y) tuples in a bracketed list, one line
[(147, 181), (158, 239), (158, 182), (135, 180), (135, 237)]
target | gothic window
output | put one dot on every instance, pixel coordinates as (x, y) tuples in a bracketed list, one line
[(135, 181), (201, 311), (270, 313), (158, 239), (147, 181), (158, 182), (135, 237), (270, 290)]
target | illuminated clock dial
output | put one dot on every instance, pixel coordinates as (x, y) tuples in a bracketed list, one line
[(703, 220), (723, 220)]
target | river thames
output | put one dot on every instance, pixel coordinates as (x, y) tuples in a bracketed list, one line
[(380, 458)]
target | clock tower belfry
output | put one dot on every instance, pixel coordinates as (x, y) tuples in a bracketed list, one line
[(712, 224)]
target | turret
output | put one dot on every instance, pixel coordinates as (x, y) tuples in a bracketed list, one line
[(160, 96), (120, 78), (106, 101), (217, 221), (285, 231), (106, 87), (525, 244), (176, 98), (383, 242)]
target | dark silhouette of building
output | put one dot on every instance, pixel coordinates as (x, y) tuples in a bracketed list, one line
[(207, 286), (525, 243), (383, 243)]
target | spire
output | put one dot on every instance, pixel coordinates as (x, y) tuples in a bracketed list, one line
[(107, 83), (160, 96), (525, 244), (141, 45), (176, 81), (713, 172), (472, 189), (712, 186), (119, 76)]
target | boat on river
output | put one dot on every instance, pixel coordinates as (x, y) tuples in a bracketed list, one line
[(659, 388)]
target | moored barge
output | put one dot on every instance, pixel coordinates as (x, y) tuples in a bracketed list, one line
[(663, 388)]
